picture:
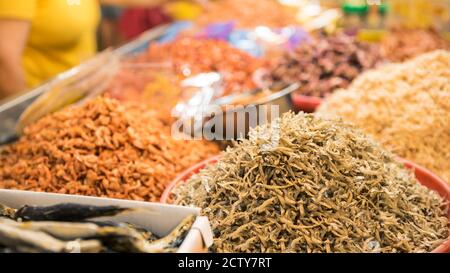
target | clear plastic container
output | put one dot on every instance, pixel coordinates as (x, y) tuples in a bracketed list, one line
[(355, 14)]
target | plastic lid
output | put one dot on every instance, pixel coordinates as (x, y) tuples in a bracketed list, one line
[(355, 8)]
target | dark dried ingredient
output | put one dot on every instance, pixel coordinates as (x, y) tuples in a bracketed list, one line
[(305, 184), (324, 64), (65, 212)]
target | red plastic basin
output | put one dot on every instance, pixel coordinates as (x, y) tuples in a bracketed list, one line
[(184, 176), (304, 103), (424, 176)]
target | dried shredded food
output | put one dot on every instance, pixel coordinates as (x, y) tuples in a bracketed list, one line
[(403, 43), (404, 106), (158, 91), (325, 64), (190, 56), (101, 148), (248, 13), (325, 187)]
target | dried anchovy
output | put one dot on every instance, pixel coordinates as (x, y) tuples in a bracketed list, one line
[(324, 187), (406, 107), (175, 238), (101, 148)]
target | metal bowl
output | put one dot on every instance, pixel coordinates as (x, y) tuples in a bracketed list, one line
[(234, 120)]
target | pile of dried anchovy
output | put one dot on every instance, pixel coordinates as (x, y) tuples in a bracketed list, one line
[(403, 43), (305, 184), (406, 107), (101, 148), (325, 64), (70, 227)]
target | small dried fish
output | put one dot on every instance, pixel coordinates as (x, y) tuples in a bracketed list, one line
[(73, 231), (325, 187), (100, 148), (16, 238), (174, 239), (169, 243)]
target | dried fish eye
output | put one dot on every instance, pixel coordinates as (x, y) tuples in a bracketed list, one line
[(329, 196), (328, 193), (373, 245)]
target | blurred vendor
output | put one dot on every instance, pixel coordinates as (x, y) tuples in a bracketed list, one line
[(41, 38)]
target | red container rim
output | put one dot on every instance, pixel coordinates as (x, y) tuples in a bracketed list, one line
[(423, 175), (305, 103), (182, 177)]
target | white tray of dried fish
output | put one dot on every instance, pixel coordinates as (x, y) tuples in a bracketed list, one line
[(163, 221)]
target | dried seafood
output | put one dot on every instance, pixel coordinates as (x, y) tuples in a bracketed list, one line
[(62, 236), (306, 184), (406, 107), (101, 148), (191, 56), (65, 212)]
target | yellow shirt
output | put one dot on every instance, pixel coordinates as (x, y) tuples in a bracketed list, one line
[(62, 34), (182, 10)]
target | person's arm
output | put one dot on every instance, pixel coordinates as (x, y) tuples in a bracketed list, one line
[(13, 34)]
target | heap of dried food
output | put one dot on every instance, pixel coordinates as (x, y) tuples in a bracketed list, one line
[(148, 85), (403, 43), (404, 106), (191, 56), (70, 228), (248, 13), (101, 148), (306, 184), (325, 64)]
